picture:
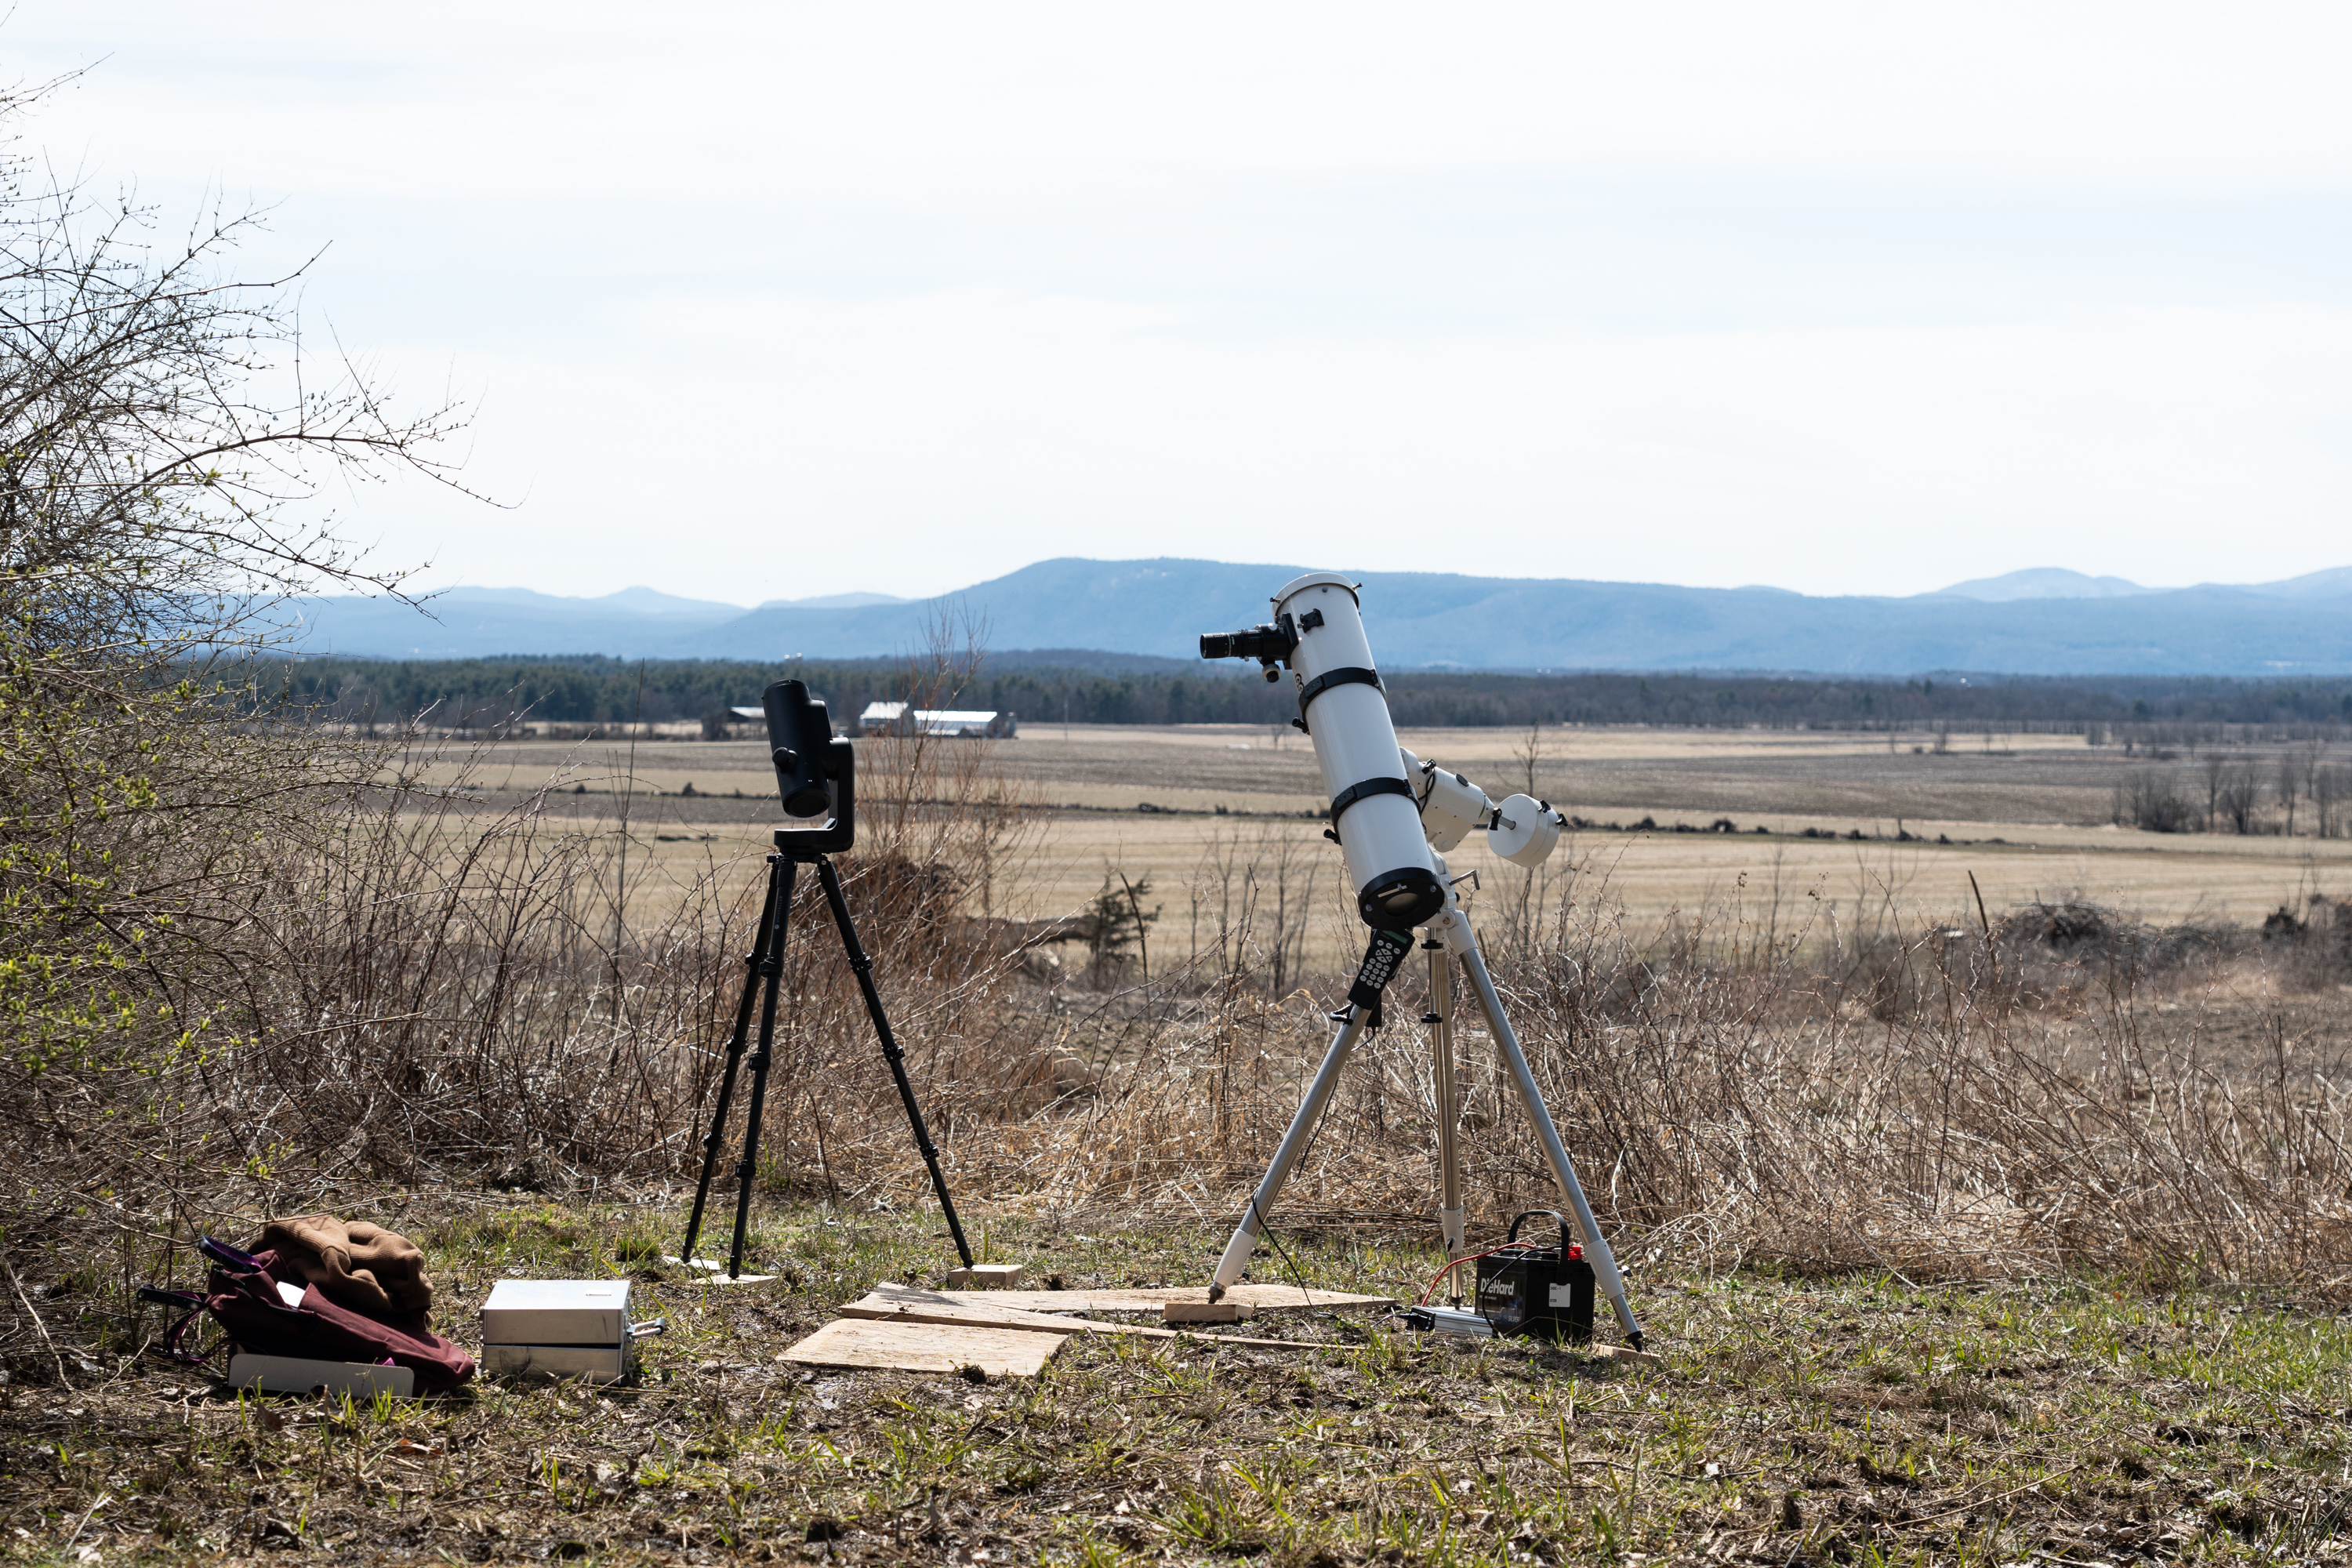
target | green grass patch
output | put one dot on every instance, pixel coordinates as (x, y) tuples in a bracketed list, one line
[(1858, 1420)]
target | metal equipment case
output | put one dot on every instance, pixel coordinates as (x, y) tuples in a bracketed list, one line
[(559, 1328)]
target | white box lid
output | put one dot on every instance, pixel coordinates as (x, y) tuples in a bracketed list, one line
[(557, 1295)]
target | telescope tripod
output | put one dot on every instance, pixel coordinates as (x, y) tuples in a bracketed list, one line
[(764, 971), (1448, 939)]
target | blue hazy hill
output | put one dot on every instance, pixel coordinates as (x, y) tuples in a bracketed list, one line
[(1424, 619)]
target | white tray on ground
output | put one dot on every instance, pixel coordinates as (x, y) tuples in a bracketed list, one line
[(301, 1374)]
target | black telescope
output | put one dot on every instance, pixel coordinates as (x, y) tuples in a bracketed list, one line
[(816, 775)]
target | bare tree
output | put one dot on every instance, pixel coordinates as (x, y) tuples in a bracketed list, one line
[(166, 429), (2240, 794)]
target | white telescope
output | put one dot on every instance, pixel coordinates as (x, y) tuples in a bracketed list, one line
[(1389, 809), (1393, 815)]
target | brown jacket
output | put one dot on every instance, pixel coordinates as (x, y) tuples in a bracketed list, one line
[(372, 1270)]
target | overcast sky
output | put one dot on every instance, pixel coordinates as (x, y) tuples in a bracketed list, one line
[(768, 301)]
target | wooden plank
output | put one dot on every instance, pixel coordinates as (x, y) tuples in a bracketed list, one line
[(899, 1303), (1263, 1298), (928, 1347), (915, 1306), (986, 1276), (1205, 1311)]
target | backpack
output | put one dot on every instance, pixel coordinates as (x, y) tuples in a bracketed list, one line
[(261, 1315)]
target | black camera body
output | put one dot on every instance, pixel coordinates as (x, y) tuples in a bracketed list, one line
[(1544, 1293), (1269, 643), (816, 772)]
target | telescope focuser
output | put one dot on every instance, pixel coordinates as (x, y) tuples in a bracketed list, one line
[(1269, 643)]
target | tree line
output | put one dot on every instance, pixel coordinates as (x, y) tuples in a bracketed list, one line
[(2222, 792), (488, 693)]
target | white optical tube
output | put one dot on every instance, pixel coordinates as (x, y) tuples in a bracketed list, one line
[(1375, 811)]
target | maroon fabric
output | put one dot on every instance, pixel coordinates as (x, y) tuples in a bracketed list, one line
[(251, 1312)]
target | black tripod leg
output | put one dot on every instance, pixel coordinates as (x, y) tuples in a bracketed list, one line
[(863, 967), (770, 968), (761, 938)]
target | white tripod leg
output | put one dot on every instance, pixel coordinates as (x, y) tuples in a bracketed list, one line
[(1450, 1217), (1464, 946), (1293, 1143)]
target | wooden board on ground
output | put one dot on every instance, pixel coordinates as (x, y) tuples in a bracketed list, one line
[(928, 1347), (1263, 1298), (901, 1303)]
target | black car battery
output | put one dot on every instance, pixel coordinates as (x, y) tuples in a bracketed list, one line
[(1543, 1291)]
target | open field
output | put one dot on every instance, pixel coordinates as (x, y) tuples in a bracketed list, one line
[(2029, 819), (1993, 1244), (1865, 1420)]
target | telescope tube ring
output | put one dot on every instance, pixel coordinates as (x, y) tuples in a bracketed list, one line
[(1352, 676), (1365, 790)]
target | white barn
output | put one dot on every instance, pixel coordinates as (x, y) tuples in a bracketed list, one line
[(899, 718)]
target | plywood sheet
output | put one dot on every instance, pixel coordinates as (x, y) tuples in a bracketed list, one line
[(899, 1303), (1263, 1298), (928, 1347)]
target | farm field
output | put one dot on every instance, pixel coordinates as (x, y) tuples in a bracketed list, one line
[(2028, 817)]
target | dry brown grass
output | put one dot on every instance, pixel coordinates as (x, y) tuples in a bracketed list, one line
[(1820, 1080), (456, 995)]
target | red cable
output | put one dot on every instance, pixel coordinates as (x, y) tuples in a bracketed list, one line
[(1573, 1252), (1473, 1257)]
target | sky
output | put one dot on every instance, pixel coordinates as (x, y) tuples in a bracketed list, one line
[(776, 301)]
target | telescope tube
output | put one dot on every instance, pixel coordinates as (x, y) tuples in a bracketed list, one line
[(1374, 812)]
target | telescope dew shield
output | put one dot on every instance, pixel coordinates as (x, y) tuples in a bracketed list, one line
[(1375, 812)]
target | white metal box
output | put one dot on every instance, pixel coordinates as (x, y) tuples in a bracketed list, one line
[(539, 1312)]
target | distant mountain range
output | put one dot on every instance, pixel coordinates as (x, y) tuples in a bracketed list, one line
[(2041, 621)]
